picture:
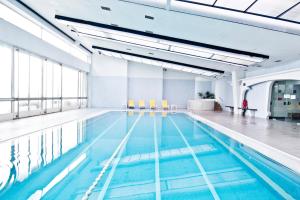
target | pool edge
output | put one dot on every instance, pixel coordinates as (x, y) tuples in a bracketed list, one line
[(284, 158)]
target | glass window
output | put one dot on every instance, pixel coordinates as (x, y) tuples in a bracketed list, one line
[(56, 80), (70, 103), (23, 74), (48, 79), (5, 107), (70, 82), (5, 71), (35, 105), (35, 76), (23, 106)]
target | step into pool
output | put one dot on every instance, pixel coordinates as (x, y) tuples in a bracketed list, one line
[(138, 155)]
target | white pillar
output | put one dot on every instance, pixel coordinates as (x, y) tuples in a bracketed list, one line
[(236, 76)]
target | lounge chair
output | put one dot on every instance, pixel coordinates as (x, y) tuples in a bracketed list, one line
[(164, 105), (152, 104), (141, 104), (131, 104)]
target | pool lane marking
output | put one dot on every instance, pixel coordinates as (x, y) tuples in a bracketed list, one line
[(118, 152), (60, 177), (199, 165), (269, 181), (156, 155)]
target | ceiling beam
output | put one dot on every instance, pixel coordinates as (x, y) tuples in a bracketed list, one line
[(162, 37), (157, 59)]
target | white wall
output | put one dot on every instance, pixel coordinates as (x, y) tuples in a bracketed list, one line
[(257, 98), (259, 95), (108, 82), (145, 82), (203, 86), (178, 87), (223, 92), (113, 81)]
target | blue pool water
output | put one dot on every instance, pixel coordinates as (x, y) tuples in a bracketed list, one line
[(122, 155)]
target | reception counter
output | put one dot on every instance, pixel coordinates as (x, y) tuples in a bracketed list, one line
[(201, 105)]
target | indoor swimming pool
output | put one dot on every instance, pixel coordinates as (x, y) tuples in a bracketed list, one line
[(138, 155)]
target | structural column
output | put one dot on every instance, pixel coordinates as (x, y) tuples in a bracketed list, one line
[(236, 76)]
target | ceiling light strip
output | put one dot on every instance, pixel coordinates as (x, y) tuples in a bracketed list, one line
[(162, 64), (162, 37), (158, 59), (169, 51)]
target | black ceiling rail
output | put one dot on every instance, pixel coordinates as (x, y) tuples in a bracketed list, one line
[(157, 59), (162, 37), (51, 24)]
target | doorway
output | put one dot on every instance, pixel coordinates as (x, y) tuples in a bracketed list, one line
[(285, 100)]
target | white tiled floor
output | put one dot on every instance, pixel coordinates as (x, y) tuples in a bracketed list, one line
[(277, 140), (284, 136), (15, 128)]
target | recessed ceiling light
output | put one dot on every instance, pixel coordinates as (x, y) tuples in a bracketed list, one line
[(149, 17), (105, 8), (277, 61)]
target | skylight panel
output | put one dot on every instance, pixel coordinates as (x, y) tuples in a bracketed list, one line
[(139, 42), (234, 4), (155, 3), (239, 61), (293, 14), (190, 52), (208, 2), (272, 7), (90, 31)]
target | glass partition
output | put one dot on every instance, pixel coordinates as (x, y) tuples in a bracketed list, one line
[(285, 102)]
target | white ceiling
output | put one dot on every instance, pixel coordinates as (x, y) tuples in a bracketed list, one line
[(274, 42)]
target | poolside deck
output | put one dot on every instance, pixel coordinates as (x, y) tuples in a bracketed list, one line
[(278, 140), (281, 135)]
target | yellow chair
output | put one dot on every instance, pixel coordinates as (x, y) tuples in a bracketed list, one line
[(152, 114), (130, 113), (131, 104), (152, 104), (141, 104), (164, 105)]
